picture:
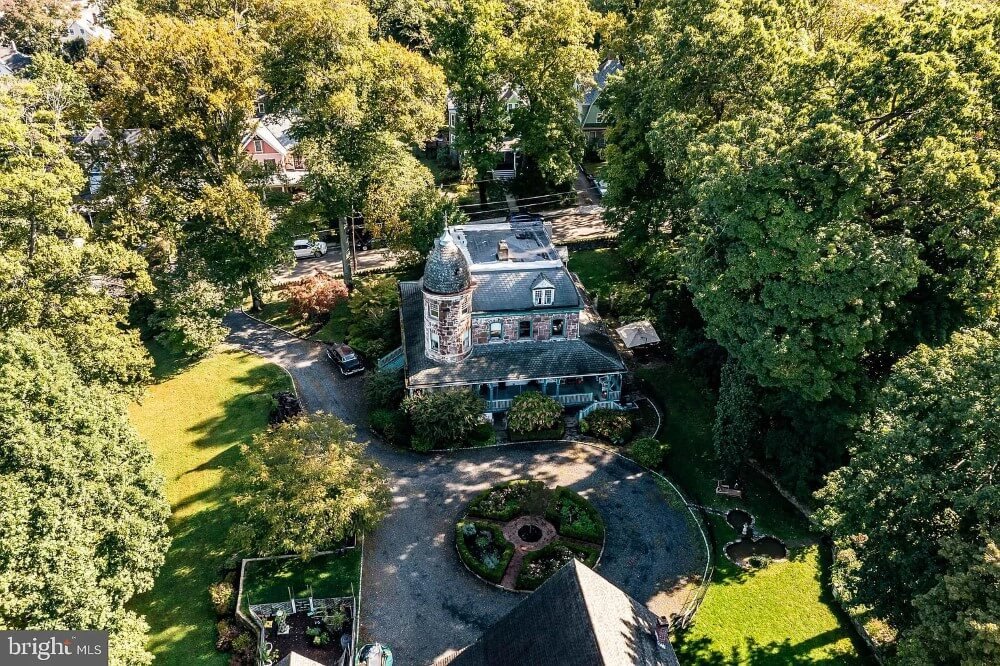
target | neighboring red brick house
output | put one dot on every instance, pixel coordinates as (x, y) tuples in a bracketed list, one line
[(270, 144)]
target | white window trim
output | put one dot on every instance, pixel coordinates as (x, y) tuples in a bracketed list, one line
[(433, 310), (544, 296), (435, 342), (258, 146), (499, 335)]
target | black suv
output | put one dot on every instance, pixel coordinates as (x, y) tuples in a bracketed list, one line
[(345, 359)]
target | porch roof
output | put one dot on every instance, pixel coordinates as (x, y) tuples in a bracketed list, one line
[(592, 354)]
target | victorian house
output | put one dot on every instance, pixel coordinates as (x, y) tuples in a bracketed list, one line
[(498, 311)]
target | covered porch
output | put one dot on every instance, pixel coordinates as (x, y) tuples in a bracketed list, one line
[(568, 391)]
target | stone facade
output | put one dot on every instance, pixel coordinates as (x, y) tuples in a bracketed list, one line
[(541, 326), (447, 336)]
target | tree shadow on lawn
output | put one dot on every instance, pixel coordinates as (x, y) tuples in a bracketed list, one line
[(777, 653), (181, 619), (245, 412)]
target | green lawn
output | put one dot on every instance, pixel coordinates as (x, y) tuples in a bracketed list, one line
[(599, 270), (779, 615), (328, 576), (194, 418)]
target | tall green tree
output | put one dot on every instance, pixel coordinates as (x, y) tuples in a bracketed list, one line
[(82, 512), (54, 275), (304, 487), (915, 513), (34, 26), (551, 61), (810, 186), (472, 41), (183, 187), (357, 103)]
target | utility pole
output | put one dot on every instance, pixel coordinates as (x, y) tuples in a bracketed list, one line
[(345, 253)]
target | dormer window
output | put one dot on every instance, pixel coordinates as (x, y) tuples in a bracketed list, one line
[(543, 295)]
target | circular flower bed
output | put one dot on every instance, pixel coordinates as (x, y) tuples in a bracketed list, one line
[(517, 534)]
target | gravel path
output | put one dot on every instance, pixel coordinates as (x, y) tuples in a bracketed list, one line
[(418, 597)]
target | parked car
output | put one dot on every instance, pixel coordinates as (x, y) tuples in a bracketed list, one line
[(526, 218), (345, 358), (306, 248)]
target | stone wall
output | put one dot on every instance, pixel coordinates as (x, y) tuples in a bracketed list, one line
[(541, 326), (453, 321)]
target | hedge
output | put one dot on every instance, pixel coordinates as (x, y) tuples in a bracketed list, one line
[(533, 412), (554, 433), (592, 531), (493, 575)]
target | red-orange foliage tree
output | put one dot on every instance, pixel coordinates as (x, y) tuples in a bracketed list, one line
[(316, 296)]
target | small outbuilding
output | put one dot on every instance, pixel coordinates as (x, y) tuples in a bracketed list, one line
[(638, 334)]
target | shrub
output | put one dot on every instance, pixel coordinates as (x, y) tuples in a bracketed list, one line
[(648, 452), (222, 595), (611, 425), (316, 296), (443, 419), (574, 516), (244, 646), (511, 499), (628, 300), (226, 631), (541, 564), (532, 411), (488, 560), (384, 390), (483, 435), (390, 424), (374, 328)]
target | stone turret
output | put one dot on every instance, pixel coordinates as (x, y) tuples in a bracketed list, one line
[(447, 287)]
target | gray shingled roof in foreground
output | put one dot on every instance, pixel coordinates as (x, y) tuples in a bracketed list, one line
[(446, 270), (593, 353), (576, 618), (508, 291)]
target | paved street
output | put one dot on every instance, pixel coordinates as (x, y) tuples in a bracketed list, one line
[(571, 225), (417, 596)]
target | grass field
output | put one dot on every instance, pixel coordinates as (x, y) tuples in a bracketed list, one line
[(194, 418), (328, 576), (599, 270)]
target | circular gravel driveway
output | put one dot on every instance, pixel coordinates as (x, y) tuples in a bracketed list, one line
[(417, 596)]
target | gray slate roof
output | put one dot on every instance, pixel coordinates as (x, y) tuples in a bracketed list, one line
[(607, 68), (576, 618), (592, 354), (446, 270), (506, 291)]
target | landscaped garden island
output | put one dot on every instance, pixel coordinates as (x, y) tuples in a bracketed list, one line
[(517, 534)]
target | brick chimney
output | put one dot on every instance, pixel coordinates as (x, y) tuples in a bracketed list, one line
[(662, 631)]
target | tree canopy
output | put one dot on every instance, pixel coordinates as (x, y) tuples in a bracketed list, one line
[(915, 513), (82, 512), (304, 487)]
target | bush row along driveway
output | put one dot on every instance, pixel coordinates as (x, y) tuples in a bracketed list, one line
[(417, 596)]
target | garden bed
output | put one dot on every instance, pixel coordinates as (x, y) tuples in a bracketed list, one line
[(539, 566), (485, 551), (519, 533)]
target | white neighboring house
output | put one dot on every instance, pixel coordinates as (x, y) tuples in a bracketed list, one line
[(94, 145), (12, 61), (87, 25), (269, 143)]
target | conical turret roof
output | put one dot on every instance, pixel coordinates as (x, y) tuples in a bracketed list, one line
[(446, 271)]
